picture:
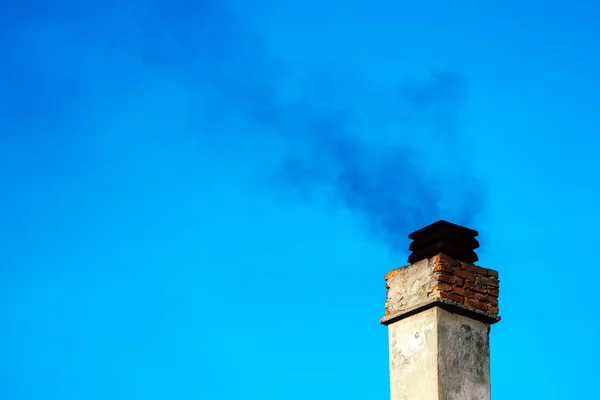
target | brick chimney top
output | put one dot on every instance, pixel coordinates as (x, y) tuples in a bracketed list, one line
[(444, 237), (438, 311), (442, 274)]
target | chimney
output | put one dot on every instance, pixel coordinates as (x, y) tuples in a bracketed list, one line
[(438, 312)]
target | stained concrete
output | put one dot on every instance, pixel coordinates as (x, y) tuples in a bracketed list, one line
[(438, 355), (463, 358), (411, 286), (413, 357)]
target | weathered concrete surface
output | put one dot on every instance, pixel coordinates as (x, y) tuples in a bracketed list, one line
[(438, 355), (413, 357), (411, 286), (463, 357)]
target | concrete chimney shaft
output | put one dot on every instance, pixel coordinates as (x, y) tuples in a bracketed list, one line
[(438, 311)]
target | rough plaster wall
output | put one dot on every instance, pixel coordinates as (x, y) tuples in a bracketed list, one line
[(464, 358), (414, 357), (411, 286)]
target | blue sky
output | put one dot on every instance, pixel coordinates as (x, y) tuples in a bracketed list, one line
[(199, 200)]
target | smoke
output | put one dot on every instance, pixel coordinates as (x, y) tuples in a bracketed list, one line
[(390, 187), (390, 182)]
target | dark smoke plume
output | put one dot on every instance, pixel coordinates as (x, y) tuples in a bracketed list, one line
[(388, 185)]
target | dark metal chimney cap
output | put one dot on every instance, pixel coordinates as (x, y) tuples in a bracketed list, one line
[(444, 237)]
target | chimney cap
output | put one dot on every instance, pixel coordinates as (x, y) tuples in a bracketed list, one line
[(444, 237)]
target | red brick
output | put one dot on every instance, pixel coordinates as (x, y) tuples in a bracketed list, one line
[(390, 274), (493, 292), (450, 296), (493, 309), (446, 278), (469, 276), (487, 281), (437, 258), (475, 288), (492, 273), (492, 300), (443, 268), (463, 292), (443, 287), (486, 298), (454, 280), (475, 269), (476, 304), (445, 259), (481, 297)]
